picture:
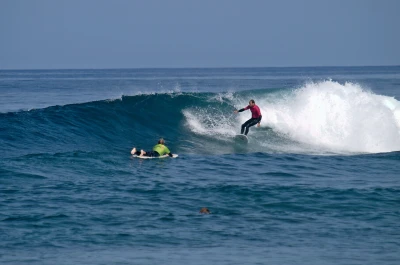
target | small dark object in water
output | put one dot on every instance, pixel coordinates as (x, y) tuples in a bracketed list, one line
[(205, 210)]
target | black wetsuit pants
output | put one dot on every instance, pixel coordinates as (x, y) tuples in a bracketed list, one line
[(246, 126), (149, 153)]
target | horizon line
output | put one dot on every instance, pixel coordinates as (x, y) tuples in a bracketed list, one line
[(195, 67)]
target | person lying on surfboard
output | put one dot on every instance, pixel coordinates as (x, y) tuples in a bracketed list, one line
[(158, 150), (255, 117)]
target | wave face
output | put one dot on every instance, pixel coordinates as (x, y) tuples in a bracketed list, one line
[(322, 117)]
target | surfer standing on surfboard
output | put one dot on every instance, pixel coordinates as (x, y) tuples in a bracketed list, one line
[(158, 150), (255, 116)]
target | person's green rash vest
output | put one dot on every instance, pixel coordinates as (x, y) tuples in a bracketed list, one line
[(161, 149)]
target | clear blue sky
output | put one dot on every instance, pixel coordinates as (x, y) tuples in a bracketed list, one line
[(47, 34)]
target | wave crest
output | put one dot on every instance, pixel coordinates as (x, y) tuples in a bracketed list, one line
[(340, 117)]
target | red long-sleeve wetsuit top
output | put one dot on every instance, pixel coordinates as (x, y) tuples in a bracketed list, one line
[(255, 111)]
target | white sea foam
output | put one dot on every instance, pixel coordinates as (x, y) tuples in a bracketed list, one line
[(209, 122), (339, 117)]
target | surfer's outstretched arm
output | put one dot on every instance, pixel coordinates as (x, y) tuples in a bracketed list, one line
[(236, 111)]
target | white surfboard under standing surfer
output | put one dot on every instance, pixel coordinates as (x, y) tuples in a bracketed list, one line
[(241, 138)]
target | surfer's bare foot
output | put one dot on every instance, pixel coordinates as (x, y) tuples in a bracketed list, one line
[(133, 152)]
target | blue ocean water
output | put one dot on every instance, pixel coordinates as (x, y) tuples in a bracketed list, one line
[(318, 182)]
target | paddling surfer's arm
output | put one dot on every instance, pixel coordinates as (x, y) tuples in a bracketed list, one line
[(168, 151)]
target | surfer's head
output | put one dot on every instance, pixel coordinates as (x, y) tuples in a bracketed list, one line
[(252, 102), (205, 210), (161, 141)]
